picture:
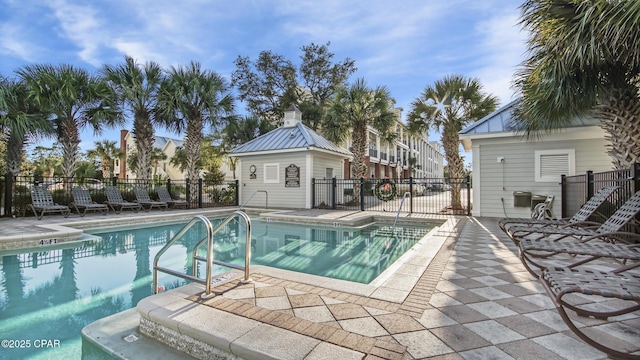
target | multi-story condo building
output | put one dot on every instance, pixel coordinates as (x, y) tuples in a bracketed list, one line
[(409, 156)]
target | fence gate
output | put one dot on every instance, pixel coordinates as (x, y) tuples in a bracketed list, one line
[(423, 196)]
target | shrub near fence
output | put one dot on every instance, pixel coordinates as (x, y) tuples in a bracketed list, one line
[(17, 191)]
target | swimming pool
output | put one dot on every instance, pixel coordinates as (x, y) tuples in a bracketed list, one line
[(51, 293)]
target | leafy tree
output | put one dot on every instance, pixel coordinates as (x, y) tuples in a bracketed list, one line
[(20, 120), (107, 152), (448, 106), (47, 161), (321, 79), (73, 99), (137, 87), (189, 99), (584, 60), (271, 84), (351, 112), (87, 169), (210, 161), (268, 87)]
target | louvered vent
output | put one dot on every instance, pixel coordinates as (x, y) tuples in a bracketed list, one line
[(554, 165)]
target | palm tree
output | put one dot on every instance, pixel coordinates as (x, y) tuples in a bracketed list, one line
[(21, 120), (47, 161), (190, 98), (137, 88), (448, 106), (157, 155), (584, 60), (107, 152), (73, 99), (239, 131), (350, 114)]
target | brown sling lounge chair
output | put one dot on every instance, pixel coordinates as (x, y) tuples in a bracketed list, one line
[(615, 223), (539, 247), (538, 254), (621, 285), (580, 218)]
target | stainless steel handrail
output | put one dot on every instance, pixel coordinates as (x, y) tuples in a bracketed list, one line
[(247, 257), (266, 202), (210, 261), (393, 228)]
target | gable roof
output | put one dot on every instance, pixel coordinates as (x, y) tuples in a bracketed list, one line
[(159, 142), (289, 138), (500, 121), (162, 141)]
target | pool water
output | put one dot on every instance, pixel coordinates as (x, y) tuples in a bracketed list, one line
[(48, 294)]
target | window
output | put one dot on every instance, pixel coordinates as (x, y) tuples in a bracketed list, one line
[(550, 164), (328, 173), (271, 173)]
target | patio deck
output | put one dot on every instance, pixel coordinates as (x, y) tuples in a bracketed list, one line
[(471, 299)]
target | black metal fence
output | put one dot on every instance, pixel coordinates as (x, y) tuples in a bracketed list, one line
[(576, 190), (428, 195), (16, 191)]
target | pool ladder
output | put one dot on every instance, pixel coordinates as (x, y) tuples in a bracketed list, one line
[(395, 222), (210, 261)]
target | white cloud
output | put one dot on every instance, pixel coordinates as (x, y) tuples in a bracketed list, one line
[(12, 43), (81, 24), (138, 50), (505, 50)]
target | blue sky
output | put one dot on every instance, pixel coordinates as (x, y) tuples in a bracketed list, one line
[(404, 45)]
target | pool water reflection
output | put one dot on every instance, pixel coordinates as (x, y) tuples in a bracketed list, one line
[(51, 293)]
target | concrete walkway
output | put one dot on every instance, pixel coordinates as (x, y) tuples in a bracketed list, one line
[(474, 301)]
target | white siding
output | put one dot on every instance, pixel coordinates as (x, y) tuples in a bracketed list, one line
[(323, 161), (279, 195), (320, 163), (495, 181)]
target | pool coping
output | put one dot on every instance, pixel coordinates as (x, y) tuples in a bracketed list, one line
[(394, 285), (174, 318), (71, 230)]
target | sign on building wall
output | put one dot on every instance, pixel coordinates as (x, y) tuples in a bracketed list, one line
[(292, 176)]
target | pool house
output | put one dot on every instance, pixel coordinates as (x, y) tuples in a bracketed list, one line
[(280, 164)]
